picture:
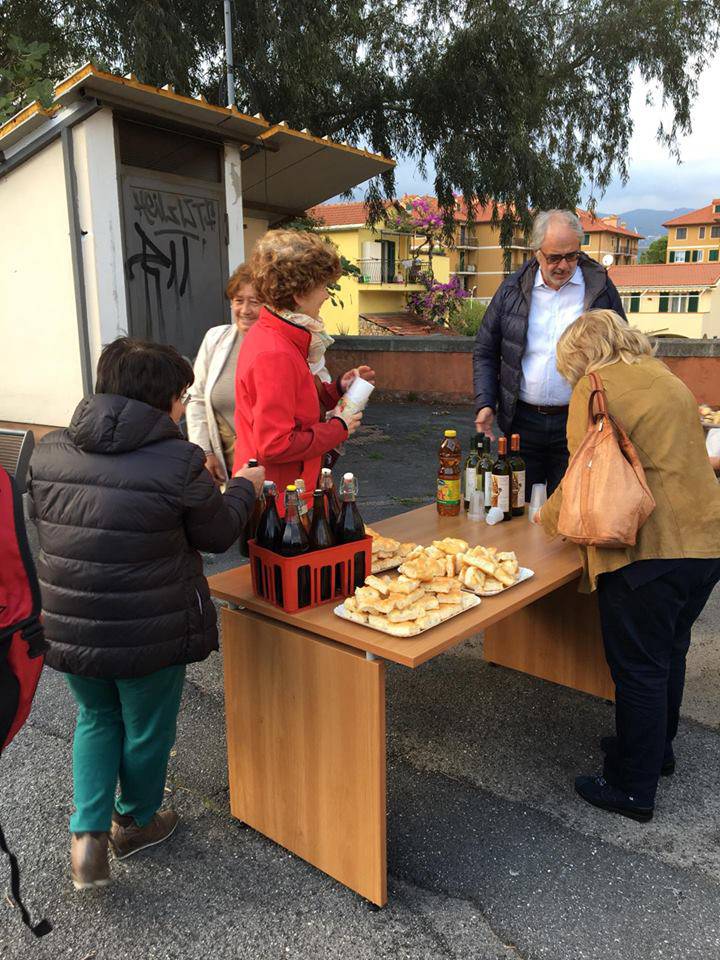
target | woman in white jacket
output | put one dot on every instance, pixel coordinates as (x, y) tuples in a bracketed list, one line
[(210, 412)]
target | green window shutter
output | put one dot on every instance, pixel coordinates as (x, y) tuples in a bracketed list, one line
[(634, 303), (714, 255), (693, 302), (695, 256), (663, 308), (671, 258)]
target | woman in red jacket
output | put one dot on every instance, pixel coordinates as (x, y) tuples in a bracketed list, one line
[(278, 399)]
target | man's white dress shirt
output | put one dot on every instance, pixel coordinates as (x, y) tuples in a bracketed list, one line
[(551, 313)]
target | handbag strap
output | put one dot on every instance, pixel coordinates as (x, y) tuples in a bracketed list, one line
[(597, 403)]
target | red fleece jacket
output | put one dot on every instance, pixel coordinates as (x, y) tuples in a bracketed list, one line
[(277, 407)]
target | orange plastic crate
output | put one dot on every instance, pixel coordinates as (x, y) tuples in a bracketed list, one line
[(321, 576)]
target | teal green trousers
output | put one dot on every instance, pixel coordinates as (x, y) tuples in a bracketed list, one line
[(125, 731)]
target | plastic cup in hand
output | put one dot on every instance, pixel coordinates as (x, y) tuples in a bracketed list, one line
[(477, 506), (538, 497), (494, 515)]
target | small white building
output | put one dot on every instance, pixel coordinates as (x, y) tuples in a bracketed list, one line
[(124, 208), (671, 299)]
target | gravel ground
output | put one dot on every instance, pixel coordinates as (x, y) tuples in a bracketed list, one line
[(491, 855)]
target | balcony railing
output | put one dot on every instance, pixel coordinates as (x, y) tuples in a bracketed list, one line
[(376, 271)]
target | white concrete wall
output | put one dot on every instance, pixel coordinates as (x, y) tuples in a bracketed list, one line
[(254, 229), (234, 205), (41, 377), (99, 210)]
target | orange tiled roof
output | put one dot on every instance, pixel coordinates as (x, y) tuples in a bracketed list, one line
[(666, 274), (703, 215), (592, 224), (348, 214)]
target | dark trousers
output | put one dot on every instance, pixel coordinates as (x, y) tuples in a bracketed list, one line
[(543, 446), (646, 633)]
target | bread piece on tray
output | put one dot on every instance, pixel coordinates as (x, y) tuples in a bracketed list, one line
[(376, 583)]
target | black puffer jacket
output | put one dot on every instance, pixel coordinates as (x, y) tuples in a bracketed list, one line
[(123, 504), (500, 341)]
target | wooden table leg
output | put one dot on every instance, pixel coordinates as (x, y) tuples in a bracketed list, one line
[(306, 747), (556, 638)]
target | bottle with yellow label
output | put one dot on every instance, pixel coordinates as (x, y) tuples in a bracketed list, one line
[(448, 480)]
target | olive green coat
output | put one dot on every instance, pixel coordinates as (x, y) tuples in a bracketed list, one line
[(661, 418)]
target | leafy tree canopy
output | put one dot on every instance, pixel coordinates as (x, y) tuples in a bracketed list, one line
[(517, 101), (656, 251)]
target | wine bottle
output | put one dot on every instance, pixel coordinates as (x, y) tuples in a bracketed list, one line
[(350, 526), (501, 481), (321, 537), (302, 504), (270, 528), (332, 503), (517, 465), (471, 469), (295, 542), (251, 526), (485, 465)]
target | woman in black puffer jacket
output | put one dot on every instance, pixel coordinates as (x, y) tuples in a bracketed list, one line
[(123, 504)]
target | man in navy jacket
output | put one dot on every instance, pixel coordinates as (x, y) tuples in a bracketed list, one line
[(514, 372)]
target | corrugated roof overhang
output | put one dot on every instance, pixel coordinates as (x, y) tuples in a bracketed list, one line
[(303, 171)]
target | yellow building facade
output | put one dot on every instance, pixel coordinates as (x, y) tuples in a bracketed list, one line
[(695, 237), (387, 262), (681, 300)]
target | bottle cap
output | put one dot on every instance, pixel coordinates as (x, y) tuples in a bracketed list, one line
[(326, 472), (451, 433), (348, 476), (291, 488)]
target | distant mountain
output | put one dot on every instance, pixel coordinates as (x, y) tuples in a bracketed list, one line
[(650, 222)]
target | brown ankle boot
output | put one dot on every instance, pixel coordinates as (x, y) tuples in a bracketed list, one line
[(128, 838), (89, 860)]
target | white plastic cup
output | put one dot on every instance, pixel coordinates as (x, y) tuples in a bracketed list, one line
[(494, 515), (538, 497), (356, 397), (477, 506)]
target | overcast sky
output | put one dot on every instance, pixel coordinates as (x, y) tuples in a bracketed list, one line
[(656, 180)]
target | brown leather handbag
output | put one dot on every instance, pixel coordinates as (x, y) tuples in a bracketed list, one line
[(605, 497)]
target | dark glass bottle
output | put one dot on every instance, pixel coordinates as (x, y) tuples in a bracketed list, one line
[(295, 542), (471, 469), (485, 465), (270, 528), (502, 481), (321, 537), (251, 526), (332, 503), (350, 526), (303, 513), (517, 465)]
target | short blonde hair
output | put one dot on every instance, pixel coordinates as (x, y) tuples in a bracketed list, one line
[(239, 278), (286, 263), (597, 338)]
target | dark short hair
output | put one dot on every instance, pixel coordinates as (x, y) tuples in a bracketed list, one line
[(142, 370)]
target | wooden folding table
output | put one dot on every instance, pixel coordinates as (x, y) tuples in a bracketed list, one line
[(305, 692)]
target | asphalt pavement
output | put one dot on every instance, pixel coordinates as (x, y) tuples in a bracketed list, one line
[(491, 855)]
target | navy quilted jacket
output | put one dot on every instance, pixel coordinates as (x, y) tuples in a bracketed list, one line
[(500, 341)]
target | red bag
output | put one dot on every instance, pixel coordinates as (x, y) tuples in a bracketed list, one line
[(22, 645)]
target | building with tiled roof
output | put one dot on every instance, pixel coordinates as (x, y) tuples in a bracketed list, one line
[(672, 299), (695, 237)]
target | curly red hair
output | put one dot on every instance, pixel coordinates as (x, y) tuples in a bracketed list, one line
[(286, 263)]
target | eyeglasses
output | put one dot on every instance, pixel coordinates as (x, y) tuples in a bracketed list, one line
[(555, 258), (185, 398)]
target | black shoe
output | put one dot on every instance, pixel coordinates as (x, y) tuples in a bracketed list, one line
[(600, 793), (609, 745)]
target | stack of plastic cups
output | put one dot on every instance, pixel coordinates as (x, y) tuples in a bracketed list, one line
[(538, 497), (476, 510)]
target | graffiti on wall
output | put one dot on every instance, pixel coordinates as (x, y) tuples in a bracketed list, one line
[(168, 235)]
